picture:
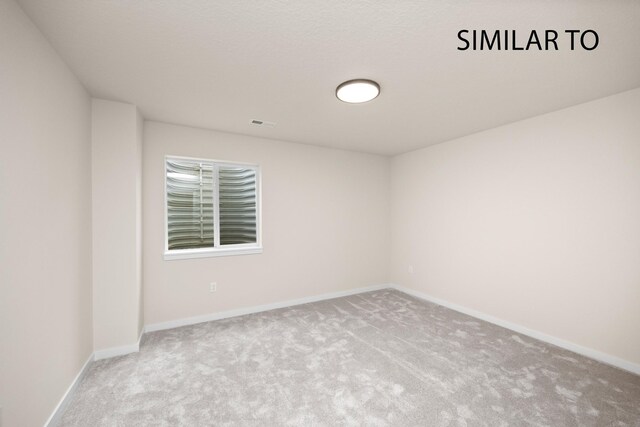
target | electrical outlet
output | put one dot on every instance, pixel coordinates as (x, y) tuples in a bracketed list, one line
[(213, 286), (410, 269)]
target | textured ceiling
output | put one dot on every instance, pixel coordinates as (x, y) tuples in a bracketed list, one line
[(220, 64)]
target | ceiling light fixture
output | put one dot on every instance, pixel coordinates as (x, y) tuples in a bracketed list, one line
[(357, 91)]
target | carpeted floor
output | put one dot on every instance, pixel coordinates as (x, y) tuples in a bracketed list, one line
[(375, 359)]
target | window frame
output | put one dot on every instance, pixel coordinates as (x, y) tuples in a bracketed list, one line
[(216, 251)]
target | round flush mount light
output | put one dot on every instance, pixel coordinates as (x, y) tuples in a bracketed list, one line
[(357, 91)]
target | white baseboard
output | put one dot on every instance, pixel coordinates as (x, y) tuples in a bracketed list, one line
[(559, 342), (132, 348), (257, 309), (118, 351), (66, 397)]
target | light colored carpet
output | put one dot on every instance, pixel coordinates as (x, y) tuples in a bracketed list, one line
[(376, 359)]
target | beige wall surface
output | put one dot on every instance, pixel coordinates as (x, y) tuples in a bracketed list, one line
[(536, 223), (45, 220), (116, 152), (325, 225), (140, 288)]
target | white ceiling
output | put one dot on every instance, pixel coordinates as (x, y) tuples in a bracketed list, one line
[(219, 64)]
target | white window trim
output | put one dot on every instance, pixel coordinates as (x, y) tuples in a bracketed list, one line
[(227, 250)]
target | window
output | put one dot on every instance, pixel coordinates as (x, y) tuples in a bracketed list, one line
[(212, 208)]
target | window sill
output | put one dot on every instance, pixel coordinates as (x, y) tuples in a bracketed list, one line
[(206, 253)]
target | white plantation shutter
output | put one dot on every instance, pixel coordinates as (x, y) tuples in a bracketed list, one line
[(210, 205)]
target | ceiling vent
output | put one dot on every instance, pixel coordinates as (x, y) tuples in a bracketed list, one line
[(263, 123)]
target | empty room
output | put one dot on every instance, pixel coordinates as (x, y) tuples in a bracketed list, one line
[(319, 213)]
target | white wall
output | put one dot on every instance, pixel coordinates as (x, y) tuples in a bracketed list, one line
[(325, 225), (116, 170), (139, 278), (45, 220), (536, 223)]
